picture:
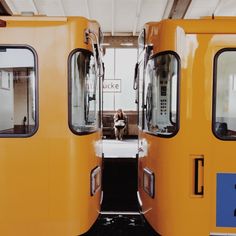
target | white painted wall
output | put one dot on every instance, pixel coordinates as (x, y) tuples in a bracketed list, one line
[(13, 58), (20, 98), (6, 95), (13, 101), (226, 93), (120, 64)]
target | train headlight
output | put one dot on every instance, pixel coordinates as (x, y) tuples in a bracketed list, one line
[(149, 182), (95, 180)]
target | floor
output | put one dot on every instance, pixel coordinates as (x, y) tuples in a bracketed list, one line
[(120, 214), (121, 225), (127, 148), (119, 185)]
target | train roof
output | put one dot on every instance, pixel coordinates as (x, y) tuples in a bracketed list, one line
[(21, 21), (206, 25)]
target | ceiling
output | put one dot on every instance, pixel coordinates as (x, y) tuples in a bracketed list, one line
[(122, 17)]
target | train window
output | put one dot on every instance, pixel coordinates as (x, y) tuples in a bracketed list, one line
[(84, 94), (161, 95), (224, 114), (18, 103), (140, 94)]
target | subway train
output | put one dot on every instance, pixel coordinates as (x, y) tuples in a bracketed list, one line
[(50, 125), (185, 79)]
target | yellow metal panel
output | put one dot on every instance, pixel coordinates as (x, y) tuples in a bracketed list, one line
[(45, 179), (176, 210)]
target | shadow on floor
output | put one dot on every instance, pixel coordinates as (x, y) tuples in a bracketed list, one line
[(120, 184), (120, 195)]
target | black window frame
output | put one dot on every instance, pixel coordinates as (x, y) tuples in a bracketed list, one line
[(214, 94), (35, 55), (140, 109), (88, 52), (175, 54)]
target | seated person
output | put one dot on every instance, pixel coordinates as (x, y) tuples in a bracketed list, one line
[(119, 124)]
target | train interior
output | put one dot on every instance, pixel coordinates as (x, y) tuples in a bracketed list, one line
[(225, 89), (17, 89)]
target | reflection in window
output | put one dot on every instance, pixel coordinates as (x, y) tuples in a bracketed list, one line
[(140, 94), (17, 92), (84, 93), (225, 106), (161, 95)]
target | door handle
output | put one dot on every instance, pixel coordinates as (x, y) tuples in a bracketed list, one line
[(198, 176)]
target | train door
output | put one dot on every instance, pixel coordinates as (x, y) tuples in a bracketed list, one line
[(139, 85), (187, 133), (159, 123), (85, 93), (209, 114), (86, 74), (160, 90), (224, 129)]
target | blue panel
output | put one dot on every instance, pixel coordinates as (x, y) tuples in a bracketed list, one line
[(226, 200)]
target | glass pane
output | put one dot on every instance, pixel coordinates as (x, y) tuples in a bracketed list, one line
[(140, 94), (161, 95), (17, 92), (119, 70), (225, 115), (84, 92), (125, 71), (109, 62)]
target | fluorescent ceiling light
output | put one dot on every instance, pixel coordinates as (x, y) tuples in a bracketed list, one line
[(127, 44), (105, 44)]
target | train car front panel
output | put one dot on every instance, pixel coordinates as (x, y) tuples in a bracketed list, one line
[(193, 169), (45, 174)]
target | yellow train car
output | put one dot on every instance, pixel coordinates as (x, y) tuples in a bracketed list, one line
[(185, 81), (50, 165)]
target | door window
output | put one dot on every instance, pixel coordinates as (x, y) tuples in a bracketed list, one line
[(224, 114), (84, 92), (161, 95), (18, 92)]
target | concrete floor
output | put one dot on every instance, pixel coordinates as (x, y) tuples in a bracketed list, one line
[(127, 148)]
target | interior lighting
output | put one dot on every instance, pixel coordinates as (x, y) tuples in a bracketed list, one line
[(127, 44)]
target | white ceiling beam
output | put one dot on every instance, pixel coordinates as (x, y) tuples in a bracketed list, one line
[(179, 9), (217, 7), (112, 17), (12, 6), (36, 11), (87, 9), (6, 7), (62, 7), (137, 16), (167, 10)]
